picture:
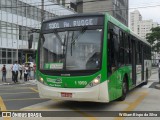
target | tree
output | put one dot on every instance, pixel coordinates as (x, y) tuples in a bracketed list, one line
[(154, 39)]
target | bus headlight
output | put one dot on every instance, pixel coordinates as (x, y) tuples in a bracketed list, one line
[(41, 80), (94, 82)]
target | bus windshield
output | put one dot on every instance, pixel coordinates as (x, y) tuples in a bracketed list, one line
[(71, 50)]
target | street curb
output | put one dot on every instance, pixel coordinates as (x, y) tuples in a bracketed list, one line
[(157, 86)]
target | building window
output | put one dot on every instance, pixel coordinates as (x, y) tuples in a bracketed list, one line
[(7, 56)]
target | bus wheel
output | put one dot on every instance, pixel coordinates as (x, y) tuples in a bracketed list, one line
[(124, 90), (145, 83)]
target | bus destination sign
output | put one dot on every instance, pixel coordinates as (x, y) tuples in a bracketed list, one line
[(72, 22)]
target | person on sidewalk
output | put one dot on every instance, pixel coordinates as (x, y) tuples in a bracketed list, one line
[(20, 70), (4, 72), (29, 72), (34, 69), (25, 72), (15, 71), (12, 73)]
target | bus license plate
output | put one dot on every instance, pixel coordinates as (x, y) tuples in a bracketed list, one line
[(66, 94)]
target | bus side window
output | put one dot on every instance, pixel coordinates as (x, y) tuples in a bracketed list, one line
[(130, 50), (121, 51), (138, 53), (113, 47)]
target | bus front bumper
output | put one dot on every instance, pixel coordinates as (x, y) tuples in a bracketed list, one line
[(97, 93)]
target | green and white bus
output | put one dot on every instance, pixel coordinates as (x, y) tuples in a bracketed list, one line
[(90, 57)]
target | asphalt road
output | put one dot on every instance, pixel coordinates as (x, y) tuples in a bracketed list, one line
[(18, 96), (24, 97)]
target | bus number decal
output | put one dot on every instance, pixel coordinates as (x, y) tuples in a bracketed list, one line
[(81, 82), (53, 25)]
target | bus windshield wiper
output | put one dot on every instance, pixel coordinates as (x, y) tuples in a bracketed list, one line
[(73, 40), (83, 29), (59, 38)]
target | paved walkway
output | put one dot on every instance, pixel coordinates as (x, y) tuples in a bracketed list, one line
[(10, 82)]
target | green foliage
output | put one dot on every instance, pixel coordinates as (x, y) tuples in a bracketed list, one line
[(154, 39)]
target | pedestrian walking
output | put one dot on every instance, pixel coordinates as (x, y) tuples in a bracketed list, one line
[(12, 73), (15, 72), (20, 70), (29, 72), (4, 72), (34, 69), (25, 72)]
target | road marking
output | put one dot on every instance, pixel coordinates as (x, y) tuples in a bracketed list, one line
[(138, 93), (18, 93), (89, 116), (57, 100), (25, 99), (3, 108), (11, 88), (136, 102), (10, 84), (123, 102), (133, 105), (33, 89)]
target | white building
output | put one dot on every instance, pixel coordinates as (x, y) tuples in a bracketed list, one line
[(17, 17), (139, 26), (135, 17), (145, 27)]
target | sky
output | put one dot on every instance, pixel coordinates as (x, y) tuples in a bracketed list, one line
[(150, 10)]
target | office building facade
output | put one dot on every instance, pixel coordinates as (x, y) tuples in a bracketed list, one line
[(17, 18), (116, 8)]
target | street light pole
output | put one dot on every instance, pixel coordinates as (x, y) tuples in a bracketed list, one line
[(17, 50), (42, 11)]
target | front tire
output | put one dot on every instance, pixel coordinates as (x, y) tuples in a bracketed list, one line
[(124, 90)]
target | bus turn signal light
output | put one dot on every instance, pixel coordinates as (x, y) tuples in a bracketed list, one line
[(94, 82)]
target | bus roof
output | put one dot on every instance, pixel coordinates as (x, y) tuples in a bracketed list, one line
[(143, 40), (125, 28)]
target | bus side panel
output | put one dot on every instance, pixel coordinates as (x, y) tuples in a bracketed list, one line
[(124, 72), (115, 82), (112, 85)]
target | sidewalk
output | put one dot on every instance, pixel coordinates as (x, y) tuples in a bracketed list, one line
[(157, 86), (10, 82)]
